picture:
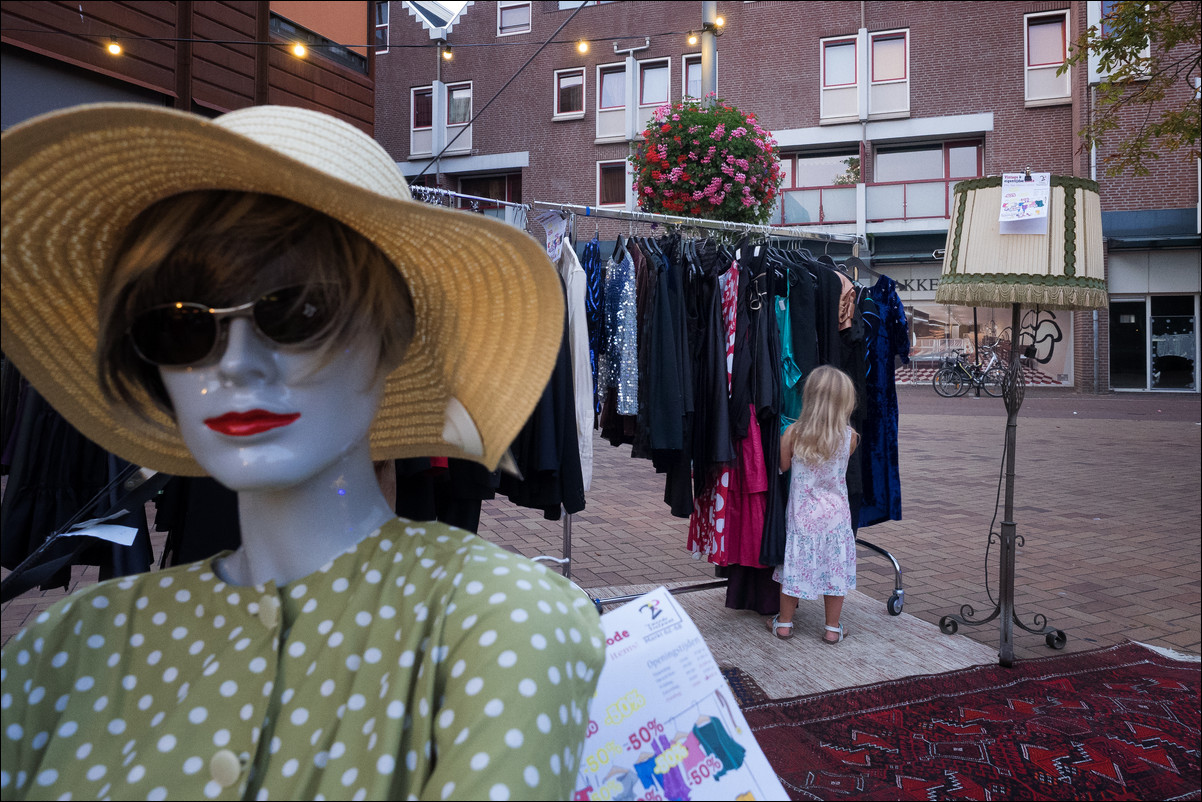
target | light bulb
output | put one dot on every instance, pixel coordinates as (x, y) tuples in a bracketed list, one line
[(582, 46), (298, 50), (114, 48), (692, 38), (719, 21), (447, 55)]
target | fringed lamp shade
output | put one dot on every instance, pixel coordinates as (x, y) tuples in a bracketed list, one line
[(1061, 269)]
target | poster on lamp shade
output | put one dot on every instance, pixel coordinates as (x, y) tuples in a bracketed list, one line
[(1025, 202), (663, 723)]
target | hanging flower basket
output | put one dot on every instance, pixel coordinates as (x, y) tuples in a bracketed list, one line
[(707, 161)]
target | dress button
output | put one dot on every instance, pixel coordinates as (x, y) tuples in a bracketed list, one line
[(225, 768), (269, 611)]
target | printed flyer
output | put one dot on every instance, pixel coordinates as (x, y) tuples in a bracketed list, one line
[(1025, 199), (664, 723)]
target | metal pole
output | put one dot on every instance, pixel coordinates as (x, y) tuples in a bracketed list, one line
[(1006, 568), (709, 51)]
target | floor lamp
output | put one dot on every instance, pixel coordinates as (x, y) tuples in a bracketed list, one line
[(986, 265)]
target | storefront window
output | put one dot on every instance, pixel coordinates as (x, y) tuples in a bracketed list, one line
[(1174, 343)]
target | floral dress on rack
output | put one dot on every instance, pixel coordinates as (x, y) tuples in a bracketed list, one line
[(820, 547)]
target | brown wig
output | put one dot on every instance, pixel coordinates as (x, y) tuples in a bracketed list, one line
[(222, 248)]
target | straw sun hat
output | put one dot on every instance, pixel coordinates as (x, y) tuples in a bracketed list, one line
[(488, 302)]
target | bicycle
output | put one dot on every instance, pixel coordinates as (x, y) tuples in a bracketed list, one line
[(956, 377)]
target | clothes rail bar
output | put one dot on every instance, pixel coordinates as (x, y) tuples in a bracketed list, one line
[(428, 193), (857, 242)]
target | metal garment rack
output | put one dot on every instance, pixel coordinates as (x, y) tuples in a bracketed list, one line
[(897, 599)]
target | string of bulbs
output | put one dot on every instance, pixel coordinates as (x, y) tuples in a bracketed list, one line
[(113, 44)]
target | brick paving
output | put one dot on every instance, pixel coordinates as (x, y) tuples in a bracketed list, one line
[(1108, 500)]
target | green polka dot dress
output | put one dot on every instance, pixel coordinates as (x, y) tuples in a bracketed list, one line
[(424, 663)]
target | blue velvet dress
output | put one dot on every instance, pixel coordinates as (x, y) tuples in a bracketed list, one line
[(888, 336)]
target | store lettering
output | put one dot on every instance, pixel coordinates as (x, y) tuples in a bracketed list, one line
[(918, 285), (617, 637)]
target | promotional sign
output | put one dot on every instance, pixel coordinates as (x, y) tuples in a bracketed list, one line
[(664, 723), (1025, 199)]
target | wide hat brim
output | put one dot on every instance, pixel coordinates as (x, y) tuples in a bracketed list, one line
[(488, 302)]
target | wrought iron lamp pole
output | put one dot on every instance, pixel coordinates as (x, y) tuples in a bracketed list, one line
[(1012, 392)]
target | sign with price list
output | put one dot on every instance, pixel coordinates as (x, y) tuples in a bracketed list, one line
[(664, 723)]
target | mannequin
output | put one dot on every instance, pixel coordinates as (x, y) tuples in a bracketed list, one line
[(339, 651)]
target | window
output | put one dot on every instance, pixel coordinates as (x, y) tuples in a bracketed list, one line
[(838, 63), (889, 74), (459, 104), (653, 83), (917, 181), (820, 187), (513, 18), (1046, 46), (840, 99), (423, 107), (691, 76), (569, 92), (506, 188), (381, 27), (567, 5), (611, 183), (1098, 14), (613, 88), (888, 57)]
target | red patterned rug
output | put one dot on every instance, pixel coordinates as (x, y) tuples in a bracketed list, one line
[(1116, 723)]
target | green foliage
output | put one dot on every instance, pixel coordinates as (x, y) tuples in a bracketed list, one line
[(710, 161), (1146, 50)]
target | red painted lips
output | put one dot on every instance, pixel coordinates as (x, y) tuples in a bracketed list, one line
[(244, 424)]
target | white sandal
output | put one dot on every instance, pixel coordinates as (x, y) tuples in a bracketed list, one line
[(775, 624), (842, 634)]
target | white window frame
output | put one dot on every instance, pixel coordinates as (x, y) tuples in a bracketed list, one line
[(602, 69), (556, 113), (902, 110), (506, 4), (470, 107), (413, 93), (654, 63), (1093, 12), (1035, 18), (684, 73), (625, 182), (378, 26), (833, 93)]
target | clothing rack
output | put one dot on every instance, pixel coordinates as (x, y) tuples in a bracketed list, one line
[(574, 211), (855, 240)]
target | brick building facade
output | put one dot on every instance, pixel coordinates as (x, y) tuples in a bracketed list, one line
[(918, 94)]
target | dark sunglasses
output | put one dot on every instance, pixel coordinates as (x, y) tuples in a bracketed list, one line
[(183, 333)]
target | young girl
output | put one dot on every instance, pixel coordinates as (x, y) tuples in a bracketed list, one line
[(820, 551)]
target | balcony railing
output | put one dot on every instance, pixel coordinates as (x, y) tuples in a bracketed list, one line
[(898, 200)]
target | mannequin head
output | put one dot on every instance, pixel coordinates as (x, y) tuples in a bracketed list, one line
[(289, 381)]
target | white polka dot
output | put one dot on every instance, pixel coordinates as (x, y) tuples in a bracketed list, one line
[(340, 584), (363, 618), (372, 656), (479, 761), (349, 776), (496, 598), (507, 658), (387, 611), (553, 675), (555, 765), (310, 606), (494, 708), (335, 640), (527, 687), (68, 729), (257, 665), (198, 715), (538, 641), (530, 775), (96, 772), (488, 638), (406, 659), (513, 739), (411, 760), (83, 751), (193, 765), (473, 686), (499, 792), (300, 716), (170, 674), (353, 662), (385, 765), (396, 709), (290, 767), (229, 688), (84, 684), (519, 615), (544, 723), (574, 634), (95, 641), (327, 687), (298, 591), (116, 726), (357, 701), (136, 774), (445, 718), (221, 737), (158, 618), (157, 794), (474, 587), (447, 790), (324, 627), (296, 648)]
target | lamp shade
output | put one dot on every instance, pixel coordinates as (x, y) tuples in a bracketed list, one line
[(1062, 269)]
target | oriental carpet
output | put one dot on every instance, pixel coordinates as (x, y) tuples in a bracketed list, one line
[(1115, 723)]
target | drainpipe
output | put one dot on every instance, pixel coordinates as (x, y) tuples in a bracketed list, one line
[(632, 106), (1093, 176)]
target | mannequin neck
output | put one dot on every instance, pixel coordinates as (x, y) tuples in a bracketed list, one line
[(291, 532)]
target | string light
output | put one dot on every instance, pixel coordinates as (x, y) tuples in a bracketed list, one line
[(447, 55), (692, 37), (298, 50), (582, 46), (114, 47)]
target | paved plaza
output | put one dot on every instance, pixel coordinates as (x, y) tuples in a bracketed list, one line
[(1108, 501)]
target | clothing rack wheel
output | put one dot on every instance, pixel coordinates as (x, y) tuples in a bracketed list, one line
[(898, 599)]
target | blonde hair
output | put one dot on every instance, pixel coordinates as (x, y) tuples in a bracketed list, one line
[(827, 402), (221, 247)]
